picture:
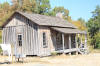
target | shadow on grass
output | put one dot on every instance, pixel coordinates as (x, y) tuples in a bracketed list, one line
[(5, 63)]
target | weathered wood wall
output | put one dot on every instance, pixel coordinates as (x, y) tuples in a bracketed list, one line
[(29, 31), (53, 45), (66, 41), (44, 51), (32, 37)]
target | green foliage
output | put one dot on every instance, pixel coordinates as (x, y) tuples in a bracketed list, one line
[(28, 5), (97, 40), (95, 51), (0, 36), (0, 50), (54, 53), (42, 6), (62, 10), (24, 5), (80, 24), (94, 27)]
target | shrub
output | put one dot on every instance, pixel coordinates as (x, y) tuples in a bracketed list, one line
[(0, 50), (97, 40), (54, 53)]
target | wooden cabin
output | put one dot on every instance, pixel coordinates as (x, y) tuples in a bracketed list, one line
[(35, 34)]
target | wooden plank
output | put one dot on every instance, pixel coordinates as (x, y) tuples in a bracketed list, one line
[(3, 35), (69, 43), (67, 50), (81, 39), (25, 32), (36, 38), (63, 42), (31, 39), (30, 36), (38, 42), (86, 41), (76, 44)]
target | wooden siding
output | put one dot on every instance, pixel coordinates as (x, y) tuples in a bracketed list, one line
[(66, 41), (29, 31), (44, 51), (53, 44), (32, 37)]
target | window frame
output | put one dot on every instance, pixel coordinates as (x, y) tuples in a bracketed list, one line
[(44, 40), (19, 39)]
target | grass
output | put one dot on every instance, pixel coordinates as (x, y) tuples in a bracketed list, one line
[(96, 51), (92, 50)]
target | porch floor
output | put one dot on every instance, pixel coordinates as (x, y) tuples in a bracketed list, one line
[(67, 50)]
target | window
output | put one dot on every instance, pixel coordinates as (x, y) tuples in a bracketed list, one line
[(44, 40), (20, 40)]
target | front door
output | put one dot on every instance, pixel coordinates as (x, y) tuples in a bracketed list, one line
[(19, 43), (19, 37)]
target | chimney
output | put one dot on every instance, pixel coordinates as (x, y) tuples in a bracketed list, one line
[(59, 15)]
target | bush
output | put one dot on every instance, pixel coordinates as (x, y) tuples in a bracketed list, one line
[(54, 53), (0, 36), (0, 50), (97, 40)]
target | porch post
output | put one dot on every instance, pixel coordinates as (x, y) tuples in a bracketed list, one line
[(69, 44), (76, 44), (85, 40), (63, 42), (81, 39)]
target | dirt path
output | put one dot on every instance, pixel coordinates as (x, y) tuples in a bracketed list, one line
[(92, 59)]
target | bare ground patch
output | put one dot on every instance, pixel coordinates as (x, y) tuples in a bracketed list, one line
[(92, 59)]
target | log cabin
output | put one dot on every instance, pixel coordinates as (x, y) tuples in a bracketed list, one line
[(35, 34)]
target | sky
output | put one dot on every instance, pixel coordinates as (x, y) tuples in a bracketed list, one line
[(77, 8)]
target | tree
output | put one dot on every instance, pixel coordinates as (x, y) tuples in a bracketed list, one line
[(62, 10), (82, 24), (24, 5), (97, 40), (94, 26), (43, 6), (4, 12), (79, 25), (35, 6)]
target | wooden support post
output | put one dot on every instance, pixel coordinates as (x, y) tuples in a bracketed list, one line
[(81, 40), (2, 36), (76, 44), (63, 42), (85, 40), (85, 43), (70, 44)]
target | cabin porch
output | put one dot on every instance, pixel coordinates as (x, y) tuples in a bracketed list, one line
[(67, 42)]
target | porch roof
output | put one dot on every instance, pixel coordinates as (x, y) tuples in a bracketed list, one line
[(68, 30)]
